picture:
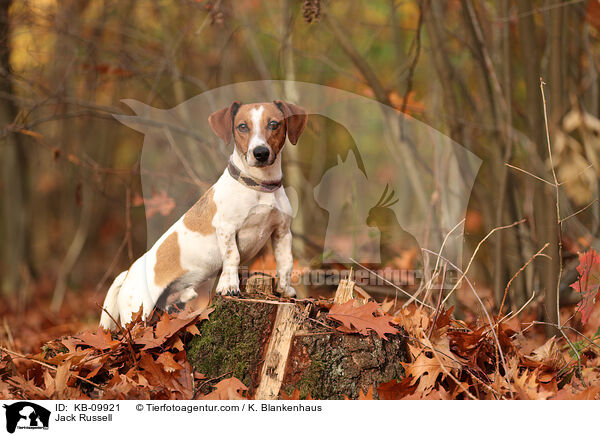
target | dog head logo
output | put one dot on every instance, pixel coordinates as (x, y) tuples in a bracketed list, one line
[(26, 415)]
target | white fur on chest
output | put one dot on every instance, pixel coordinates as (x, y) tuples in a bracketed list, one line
[(253, 215)]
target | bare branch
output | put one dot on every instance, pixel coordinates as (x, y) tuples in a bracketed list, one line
[(530, 174), (579, 211), (539, 253)]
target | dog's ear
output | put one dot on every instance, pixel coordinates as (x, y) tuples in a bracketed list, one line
[(221, 121), (295, 119)]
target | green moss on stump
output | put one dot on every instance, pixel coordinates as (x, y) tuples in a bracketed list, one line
[(233, 341)]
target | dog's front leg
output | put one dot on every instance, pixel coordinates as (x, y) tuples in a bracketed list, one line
[(282, 246), (229, 282)]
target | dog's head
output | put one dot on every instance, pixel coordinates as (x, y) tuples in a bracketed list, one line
[(259, 129)]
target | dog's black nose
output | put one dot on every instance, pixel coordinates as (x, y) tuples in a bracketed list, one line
[(261, 153)]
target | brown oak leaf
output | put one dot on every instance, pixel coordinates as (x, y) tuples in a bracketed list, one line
[(428, 364), (100, 339), (395, 390), (168, 363), (169, 325), (228, 389), (360, 318)]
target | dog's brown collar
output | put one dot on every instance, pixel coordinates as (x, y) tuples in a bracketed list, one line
[(251, 182)]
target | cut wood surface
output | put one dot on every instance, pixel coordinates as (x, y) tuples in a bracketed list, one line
[(286, 323)]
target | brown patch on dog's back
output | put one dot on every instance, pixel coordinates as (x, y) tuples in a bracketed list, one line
[(199, 217), (168, 261)]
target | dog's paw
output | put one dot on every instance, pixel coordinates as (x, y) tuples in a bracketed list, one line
[(287, 292), (188, 295), (232, 291), (228, 287)]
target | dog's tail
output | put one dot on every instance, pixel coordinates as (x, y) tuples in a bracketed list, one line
[(110, 303)]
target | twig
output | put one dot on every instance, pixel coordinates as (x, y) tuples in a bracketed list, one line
[(569, 328), (214, 7), (538, 10), (415, 60), (391, 284), (451, 264), (464, 273), (358, 61), (439, 303), (557, 203), (489, 319), (519, 272), (564, 182), (46, 365), (127, 337), (437, 262), (528, 173), (560, 329), (316, 321), (508, 318), (201, 385), (559, 223), (579, 211)]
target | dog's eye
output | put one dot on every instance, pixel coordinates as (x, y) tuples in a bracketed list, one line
[(243, 127), (273, 125)]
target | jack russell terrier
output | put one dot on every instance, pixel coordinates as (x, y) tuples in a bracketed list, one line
[(230, 223)]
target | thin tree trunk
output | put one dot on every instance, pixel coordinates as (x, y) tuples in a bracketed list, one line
[(544, 222), (14, 173), (294, 172), (72, 129)]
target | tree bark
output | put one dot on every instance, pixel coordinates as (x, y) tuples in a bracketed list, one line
[(273, 348)]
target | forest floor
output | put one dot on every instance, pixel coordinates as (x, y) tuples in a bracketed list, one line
[(63, 355)]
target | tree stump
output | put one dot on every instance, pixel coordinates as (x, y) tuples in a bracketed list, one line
[(272, 348)]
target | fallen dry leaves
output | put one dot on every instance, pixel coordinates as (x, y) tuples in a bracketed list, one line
[(450, 359), (588, 283), (457, 361), (145, 360)]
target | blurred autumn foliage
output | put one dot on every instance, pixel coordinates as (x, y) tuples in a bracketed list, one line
[(73, 213)]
